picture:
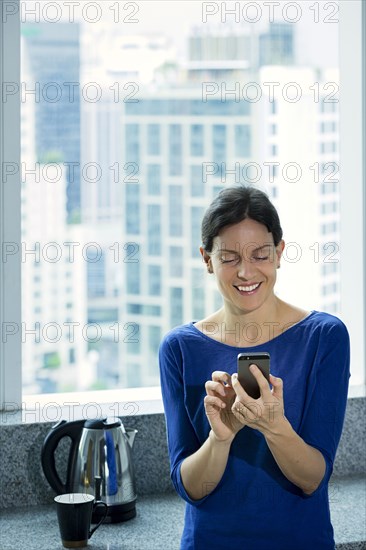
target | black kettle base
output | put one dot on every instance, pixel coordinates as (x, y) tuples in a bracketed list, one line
[(116, 513)]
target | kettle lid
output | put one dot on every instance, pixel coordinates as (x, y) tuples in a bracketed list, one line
[(103, 423)]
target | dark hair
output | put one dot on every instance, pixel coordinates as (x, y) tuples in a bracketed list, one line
[(234, 204)]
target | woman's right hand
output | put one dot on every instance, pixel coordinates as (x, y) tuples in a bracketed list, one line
[(222, 421)]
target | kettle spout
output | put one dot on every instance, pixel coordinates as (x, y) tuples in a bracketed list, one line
[(131, 432)]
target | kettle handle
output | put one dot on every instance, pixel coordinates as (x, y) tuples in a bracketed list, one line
[(60, 430)]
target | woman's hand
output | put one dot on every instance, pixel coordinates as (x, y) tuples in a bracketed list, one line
[(218, 404), (264, 413)]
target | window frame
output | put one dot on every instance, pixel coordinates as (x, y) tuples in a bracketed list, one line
[(10, 221), (352, 52)]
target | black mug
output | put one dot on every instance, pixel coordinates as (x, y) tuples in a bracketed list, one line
[(74, 513)]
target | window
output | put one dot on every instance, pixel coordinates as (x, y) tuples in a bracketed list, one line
[(197, 137), (197, 213), (133, 278), (273, 129), (197, 183), (198, 294), (153, 139), (176, 261), (133, 341), (132, 209), (176, 311), (219, 143), (243, 141), (175, 211), (154, 280), (132, 141), (273, 150), (96, 278), (154, 229), (153, 179), (175, 149), (160, 210)]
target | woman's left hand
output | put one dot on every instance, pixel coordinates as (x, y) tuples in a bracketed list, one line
[(264, 413)]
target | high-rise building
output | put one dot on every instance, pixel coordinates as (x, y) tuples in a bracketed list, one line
[(54, 324), (276, 45), (53, 51), (302, 176)]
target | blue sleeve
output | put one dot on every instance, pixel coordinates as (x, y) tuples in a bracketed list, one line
[(328, 390), (181, 437)]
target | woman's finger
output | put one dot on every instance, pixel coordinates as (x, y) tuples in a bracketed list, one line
[(277, 384), (243, 413), (212, 401), (217, 387), (261, 380), (238, 388), (221, 376)]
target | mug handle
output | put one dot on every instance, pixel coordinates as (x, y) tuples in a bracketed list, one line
[(99, 503)]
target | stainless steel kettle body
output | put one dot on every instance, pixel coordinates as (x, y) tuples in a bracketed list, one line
[(100, 463)]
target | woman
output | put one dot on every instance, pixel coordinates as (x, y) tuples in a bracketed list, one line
[(254, 473)]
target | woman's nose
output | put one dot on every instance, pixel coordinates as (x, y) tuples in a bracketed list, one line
[(246, 270)]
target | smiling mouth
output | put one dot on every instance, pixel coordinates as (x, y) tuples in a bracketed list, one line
[(249, 289)]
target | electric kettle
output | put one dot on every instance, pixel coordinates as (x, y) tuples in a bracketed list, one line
[(99, 463)]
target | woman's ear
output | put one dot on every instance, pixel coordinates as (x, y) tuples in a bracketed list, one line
[(207, 259), (279, 250)]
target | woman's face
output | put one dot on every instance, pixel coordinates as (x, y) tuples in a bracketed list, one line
[(244, 260)]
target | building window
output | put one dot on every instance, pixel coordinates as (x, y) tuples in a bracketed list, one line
[(132, 208), (329, 268), (243, 141), (330, 288), (154, 229), (175, 149), (219, 143), (153, 179), (176, 306), (327, 106), (328, 127), (153, 139), (132, 137), (273, 129), (176, 261), (197, 137), (273, 150), (133, 277), (96, 278), (197, 184), (154, 338), (154, 280), (133, 340), (175, 211), (198, 294), (196, 218), (327, 228)]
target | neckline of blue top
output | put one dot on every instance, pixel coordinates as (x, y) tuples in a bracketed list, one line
[(312, 312)]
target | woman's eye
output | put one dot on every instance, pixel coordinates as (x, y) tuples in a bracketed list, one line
[(260, 258), (227, 260)]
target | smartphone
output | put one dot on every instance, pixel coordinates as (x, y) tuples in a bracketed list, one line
[(246, 378)]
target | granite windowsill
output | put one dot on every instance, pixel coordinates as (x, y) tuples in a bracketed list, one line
[(159, 523)]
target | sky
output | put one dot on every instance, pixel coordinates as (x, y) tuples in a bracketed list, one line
[(316, 22)]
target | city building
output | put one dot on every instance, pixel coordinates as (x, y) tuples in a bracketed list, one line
[(53, 51)]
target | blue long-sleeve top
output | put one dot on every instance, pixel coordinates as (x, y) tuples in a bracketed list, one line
[(254, 506)]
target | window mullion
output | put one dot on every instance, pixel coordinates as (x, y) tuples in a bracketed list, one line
[(10, 204), (352, 188)]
